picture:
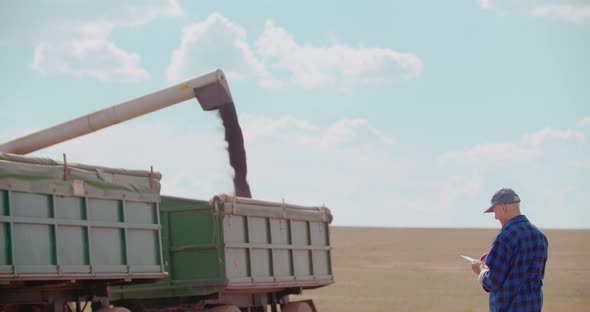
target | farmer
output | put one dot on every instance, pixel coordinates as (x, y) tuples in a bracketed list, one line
[(512, 271)]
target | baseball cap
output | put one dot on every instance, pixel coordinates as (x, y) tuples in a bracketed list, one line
[(504, 196)]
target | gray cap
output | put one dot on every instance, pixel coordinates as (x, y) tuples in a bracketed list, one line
[(505, 196)]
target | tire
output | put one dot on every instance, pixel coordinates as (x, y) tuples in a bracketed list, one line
[(300, 306), (224, 308)]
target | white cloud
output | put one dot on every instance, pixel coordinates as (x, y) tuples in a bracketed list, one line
[(34, 21), (540, 136), (344, 164), (351, 130), (350, 165), (214, 43), (313, 66), (286, 127), (585, 122), (448, 203), (286, 156), (270, 83), (542, 166), (580, 164), (217, 42), (178, 153), (128, 16), (95, 58), (486, 4), (530, 149), (494, 154), (289, 128), (82, 47), (579, 15), (576, 11)]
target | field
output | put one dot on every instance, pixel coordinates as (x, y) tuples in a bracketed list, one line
[(399, 269)]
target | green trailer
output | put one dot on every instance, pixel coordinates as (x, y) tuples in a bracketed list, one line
[(70, 230), (235, 251), (73, 232)]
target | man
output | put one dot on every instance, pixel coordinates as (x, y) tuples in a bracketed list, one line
[(513, 270)]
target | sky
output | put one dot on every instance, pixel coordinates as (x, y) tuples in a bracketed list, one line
[(390, 113)]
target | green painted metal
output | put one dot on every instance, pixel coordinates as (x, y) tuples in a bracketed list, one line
[(192, 253), (48, 237), (208, 250), (77, 222)]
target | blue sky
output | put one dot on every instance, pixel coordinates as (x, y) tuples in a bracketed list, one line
[(391, 113)]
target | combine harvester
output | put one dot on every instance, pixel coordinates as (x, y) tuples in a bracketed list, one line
[(104, 237)]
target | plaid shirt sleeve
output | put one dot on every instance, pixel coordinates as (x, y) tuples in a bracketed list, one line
[(498, 262)]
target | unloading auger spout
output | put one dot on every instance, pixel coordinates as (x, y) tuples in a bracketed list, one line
[(211, 90)]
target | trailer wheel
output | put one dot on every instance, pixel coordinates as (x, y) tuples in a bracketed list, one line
[(300, 306), (224, 308)]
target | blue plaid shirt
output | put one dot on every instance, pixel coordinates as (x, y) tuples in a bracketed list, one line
[(516, 265)]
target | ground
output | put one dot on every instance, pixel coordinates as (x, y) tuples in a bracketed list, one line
[(399, 269)]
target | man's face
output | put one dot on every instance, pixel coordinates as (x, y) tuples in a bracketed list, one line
[(500, 213)]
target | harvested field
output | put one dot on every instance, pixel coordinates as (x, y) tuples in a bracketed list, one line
[(404, 269)]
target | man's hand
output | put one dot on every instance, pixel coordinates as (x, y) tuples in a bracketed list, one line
[(477, 266), (483, 257)]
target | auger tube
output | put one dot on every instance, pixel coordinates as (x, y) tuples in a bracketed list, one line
[(211, 90)]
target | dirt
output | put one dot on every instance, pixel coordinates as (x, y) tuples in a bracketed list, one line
[(406, 269)]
